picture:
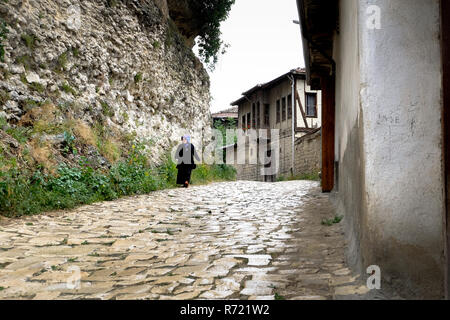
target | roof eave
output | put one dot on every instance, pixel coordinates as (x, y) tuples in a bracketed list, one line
[(318, 21), (294, 72)]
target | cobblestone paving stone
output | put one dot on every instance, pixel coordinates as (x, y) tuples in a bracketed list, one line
[(236, 240)]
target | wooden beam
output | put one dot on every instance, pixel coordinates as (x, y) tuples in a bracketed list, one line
[(297, 97), (295, 104), (445, 45), (328, 132), (306, 130)]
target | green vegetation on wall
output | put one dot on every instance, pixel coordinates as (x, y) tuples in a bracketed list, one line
[(24, 194), (205, 173), (210, 14), (223, 126), (30, 186)]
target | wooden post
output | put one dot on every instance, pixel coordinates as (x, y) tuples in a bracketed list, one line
[(445, 44), (328, 128), (297, 97)]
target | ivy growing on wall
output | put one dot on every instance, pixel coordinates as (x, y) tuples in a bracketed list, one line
[(210, 14)]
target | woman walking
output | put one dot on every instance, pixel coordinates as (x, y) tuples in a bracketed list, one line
[(185, 161)]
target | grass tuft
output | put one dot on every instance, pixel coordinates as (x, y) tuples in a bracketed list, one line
[(206, 174), (85, 133), (61, 62), (68, 89), (330, 222), (29, 40), (36, 87), (138, 77), (279, 297)]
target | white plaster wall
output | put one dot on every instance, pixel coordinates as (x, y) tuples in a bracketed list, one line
[(348, 150), (401, 101), (388, 141), (302, 89)]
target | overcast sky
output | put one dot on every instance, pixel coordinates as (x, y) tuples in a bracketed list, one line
[(264, 44)]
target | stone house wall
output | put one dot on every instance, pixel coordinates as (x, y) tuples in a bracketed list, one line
[(308, 154), (122, 62)]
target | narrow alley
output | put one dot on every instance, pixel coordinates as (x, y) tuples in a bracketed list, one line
[(236, 240)]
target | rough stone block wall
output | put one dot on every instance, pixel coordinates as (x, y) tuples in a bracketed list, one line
[(308, 151), (285, 162), (308, 158), (248, 172), (122, 61)]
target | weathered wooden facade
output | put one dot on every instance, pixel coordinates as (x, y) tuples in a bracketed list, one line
[(286, 104)]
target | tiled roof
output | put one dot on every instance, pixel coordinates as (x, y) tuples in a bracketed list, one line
[(270, 84), (228, 113)]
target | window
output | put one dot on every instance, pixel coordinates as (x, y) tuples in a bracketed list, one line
[(258, 115), (311, 105), (243, 122), (254, 116), (267, 114), (248, 120), (283, 104), (278, 112), (289, 106), (269, 156)]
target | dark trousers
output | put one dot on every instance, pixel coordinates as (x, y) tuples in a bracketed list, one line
[(184, 173)]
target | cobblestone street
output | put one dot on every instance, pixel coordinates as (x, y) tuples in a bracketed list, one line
[(236, 240)]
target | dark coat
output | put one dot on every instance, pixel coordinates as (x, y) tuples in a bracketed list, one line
[(185, 162)]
